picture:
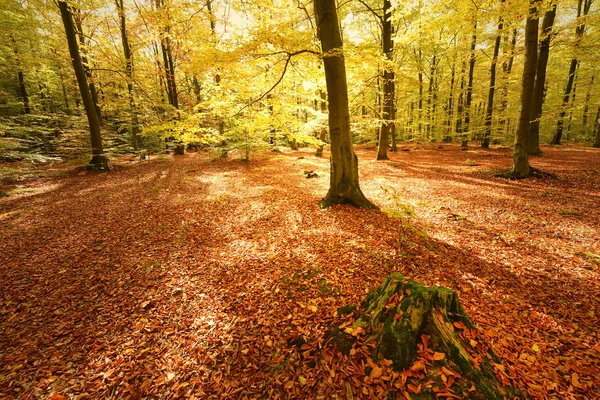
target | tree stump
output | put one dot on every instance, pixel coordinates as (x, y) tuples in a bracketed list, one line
[(417, 326)]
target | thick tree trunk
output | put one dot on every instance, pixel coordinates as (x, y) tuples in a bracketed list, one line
[(540, 82), (469, 97), (490, 103), (129, 74), (520, 167), (99, 161), (343, 184), (388, 83), (583, 7), (418, 327)]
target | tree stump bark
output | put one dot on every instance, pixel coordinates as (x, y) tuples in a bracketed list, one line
[(412, 324)]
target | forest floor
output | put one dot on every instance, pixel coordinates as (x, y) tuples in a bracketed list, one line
[(192, 277)]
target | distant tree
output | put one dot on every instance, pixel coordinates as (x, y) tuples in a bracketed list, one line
[(128, 72), (597, 139), (520, 167), (490, 103), (343, 184), (99, 160), (21, 78), (583, 8)]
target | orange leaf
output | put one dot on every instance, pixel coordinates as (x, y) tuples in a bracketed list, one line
[(438, 356), (460, 325), (414, 388)]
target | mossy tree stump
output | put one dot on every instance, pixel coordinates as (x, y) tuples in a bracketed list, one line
[(410, 323)]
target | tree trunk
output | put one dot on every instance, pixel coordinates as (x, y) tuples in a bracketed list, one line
[(586, 107), (460, 106), (507, 69), (521, 161), (429, 127), (597, 140), (129, 74), (323, 134), (450, 106), (21, 78), (418, 327), (420, 114), (540, 82), (343, 184), (583, 7), (469, 96), (86, 65), (388, 83), (490, 103), (99, 161)]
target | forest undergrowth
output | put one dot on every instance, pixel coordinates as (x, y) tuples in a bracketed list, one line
[(189, 277)]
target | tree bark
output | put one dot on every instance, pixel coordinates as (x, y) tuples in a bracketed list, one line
[(540, 82), (520, 167), (388, 83), (99, 161), (343, 184), (583, 7), (129, 74), (490, 103)]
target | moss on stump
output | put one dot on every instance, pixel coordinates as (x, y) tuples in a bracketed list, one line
[(426, 331)]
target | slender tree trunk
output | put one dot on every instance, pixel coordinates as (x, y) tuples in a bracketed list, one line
[(521, 161), (420, 113), (540, 82), (586, 107), (428, 128), (490, 103), (343, 185), (21, 78), (450, 110), (507, 69), (460, 106), (197, 89), (597, 139), (168, 64), (129, 74), (323, 133), (583, 7), (76, 17), (573, 95), (387, 109), (469, 97), (98, 161), (213, 22)]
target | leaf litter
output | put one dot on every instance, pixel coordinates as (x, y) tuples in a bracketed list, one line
[(188, 277)]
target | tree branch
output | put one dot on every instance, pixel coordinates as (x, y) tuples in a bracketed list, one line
[(287, 62)]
